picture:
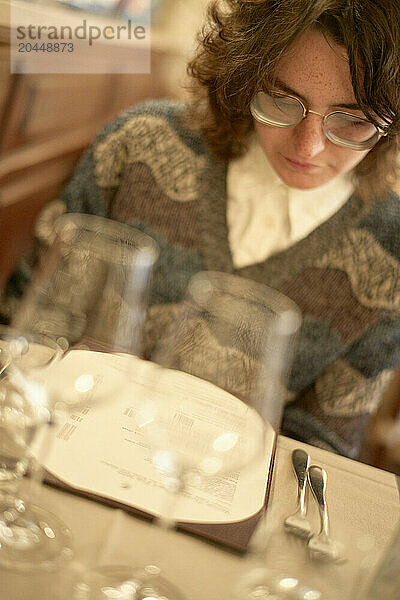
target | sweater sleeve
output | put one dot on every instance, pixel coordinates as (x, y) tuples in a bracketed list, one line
[(97, 175), (334, 410), (351, 347), (92, 187), (131, 136)]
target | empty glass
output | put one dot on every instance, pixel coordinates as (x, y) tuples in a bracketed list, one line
[(31, 538), (234, 339), (91, 295), (22, 351)]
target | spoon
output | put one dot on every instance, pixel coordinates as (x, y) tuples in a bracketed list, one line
[(321, 546), (297, 524)]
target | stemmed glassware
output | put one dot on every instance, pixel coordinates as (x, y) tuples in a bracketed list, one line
[(91, 293), (230, 334), (238, 335), (228, 353), (93, 284), (31, 538), (13, 431)]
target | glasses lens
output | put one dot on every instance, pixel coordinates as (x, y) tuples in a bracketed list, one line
[(351, 131), (276, 109)]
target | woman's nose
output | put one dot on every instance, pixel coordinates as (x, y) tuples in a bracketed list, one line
[(310, 138)]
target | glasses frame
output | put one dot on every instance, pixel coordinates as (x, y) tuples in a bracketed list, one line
[(367, 145)]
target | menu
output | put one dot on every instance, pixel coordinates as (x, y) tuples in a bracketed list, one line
[(126, 416)]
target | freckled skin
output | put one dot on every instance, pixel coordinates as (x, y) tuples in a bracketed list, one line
[(319, 72)]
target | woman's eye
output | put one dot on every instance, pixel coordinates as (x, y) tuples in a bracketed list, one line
[(284, 103), (360, 125)]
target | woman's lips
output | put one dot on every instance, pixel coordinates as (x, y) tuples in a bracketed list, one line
[(299, 166)]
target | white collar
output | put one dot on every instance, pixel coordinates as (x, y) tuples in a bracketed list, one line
[(265, 215)]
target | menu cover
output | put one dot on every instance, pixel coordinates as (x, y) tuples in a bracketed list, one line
[(101, 449)]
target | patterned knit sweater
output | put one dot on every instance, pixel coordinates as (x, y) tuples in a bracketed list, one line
[(146, 169)]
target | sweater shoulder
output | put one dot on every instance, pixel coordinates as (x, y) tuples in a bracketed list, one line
[(383, 221), (151, 117)]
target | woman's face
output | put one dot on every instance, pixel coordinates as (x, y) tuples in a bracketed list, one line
[(318, 73)]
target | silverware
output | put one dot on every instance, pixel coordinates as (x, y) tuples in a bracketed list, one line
[(297, 524), (321, 546)]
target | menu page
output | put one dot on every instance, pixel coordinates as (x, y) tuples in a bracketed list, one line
[(102, 447)]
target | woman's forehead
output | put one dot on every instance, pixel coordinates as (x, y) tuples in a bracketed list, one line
[(317, 69)]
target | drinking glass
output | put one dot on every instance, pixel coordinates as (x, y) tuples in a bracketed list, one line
[(20, 351), (13, 447), (31, 538), (238, 335), (90, 296), (234, 339)]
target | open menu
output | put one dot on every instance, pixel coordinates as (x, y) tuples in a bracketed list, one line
[(103, 451)]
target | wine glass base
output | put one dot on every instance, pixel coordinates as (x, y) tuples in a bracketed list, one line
[(31, 538), (11, 475), (264, 584), (113, 581)]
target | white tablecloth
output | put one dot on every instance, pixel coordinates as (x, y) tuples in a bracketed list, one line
[(364, 508)]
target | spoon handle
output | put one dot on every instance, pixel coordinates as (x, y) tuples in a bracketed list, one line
[(300, 462), (317, 478)]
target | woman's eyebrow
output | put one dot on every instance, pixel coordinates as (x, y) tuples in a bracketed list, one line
[(285, 88)]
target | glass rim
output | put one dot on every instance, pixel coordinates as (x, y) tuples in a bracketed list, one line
[(31, 335), (117, 231), (282, 306), (8, 333)]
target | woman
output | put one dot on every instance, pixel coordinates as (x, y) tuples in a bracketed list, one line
[(280, 171)]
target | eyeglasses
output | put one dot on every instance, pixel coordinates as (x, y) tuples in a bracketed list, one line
[(343, 129)]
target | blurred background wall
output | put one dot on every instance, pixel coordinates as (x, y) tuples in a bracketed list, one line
[(49, 119)]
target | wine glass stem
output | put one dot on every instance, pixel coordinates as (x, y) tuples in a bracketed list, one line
[(166, 522), (259, 543), (175, 488), (42, 449)]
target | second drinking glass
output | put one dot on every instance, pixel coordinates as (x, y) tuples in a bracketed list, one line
[(221, 385)]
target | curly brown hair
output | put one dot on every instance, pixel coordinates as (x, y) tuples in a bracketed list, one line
[(239, 52)]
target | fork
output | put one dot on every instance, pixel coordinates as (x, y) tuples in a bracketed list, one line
[(321, 546), (297, 524)]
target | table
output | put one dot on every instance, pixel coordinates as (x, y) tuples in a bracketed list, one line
[(364, 507)]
